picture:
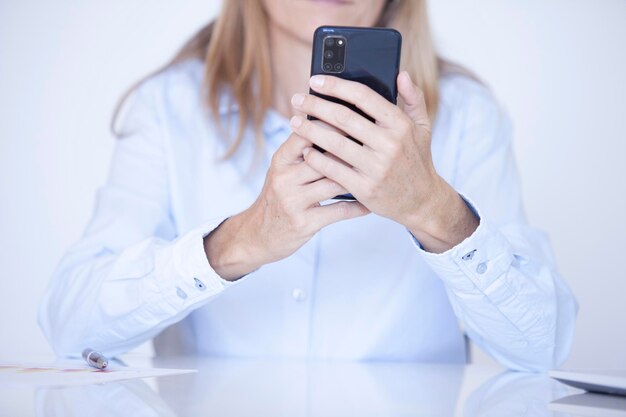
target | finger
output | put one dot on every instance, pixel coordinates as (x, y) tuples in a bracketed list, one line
[(339, 145), (290, 152), (363, 97), (413, 98), (337, 159), (321, 190), (335, 170), (340, 117), (334, 212), (304, 173), (326, 126)]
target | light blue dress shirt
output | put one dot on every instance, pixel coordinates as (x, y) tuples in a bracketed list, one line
[(360, 289)]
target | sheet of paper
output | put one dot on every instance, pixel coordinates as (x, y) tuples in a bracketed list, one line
[(69, 373)]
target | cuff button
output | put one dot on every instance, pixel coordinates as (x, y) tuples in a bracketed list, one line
[(469, 255), (481, 268), (199, 284), (182, 294)]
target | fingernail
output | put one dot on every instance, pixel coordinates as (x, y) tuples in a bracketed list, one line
[(317, 81), (306, 151), (296, 121), (297, 99)]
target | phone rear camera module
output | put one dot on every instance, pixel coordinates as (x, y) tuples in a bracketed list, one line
[(334, 54)]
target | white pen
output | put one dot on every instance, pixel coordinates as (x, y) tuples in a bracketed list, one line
[(95, 359)]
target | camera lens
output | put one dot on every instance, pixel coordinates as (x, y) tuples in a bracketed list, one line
[(338, 67), (328, 67), (329, 54), (330, 41)]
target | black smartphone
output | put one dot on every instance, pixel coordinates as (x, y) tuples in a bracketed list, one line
[(370, 56)]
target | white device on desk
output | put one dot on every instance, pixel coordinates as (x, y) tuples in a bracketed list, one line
[(606, 382), (590, 405)]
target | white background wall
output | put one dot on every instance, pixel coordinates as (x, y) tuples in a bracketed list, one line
[(558, 67)]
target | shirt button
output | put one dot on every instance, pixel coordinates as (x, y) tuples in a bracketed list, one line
[(481, 268), (298, 294)]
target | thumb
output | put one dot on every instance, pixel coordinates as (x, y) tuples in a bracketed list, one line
[(290, 152), (328, 214), (413, 98)]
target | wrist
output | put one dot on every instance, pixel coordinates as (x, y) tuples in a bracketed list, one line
[(444, 221), (229, 250)]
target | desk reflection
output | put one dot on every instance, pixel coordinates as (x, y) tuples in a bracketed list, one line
[(126, 398), (514, 394), (296, 388)]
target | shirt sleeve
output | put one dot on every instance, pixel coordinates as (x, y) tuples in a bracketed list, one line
[(502, 281), (130, 275)]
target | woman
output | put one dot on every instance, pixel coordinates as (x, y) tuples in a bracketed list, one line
[(238, 244)]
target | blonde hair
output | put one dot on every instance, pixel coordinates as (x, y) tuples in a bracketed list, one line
[(236, 52)]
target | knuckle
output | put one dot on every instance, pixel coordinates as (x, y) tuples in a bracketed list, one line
[(274, 187), (343, 209), (405, 126), (384, 171), (419, 95), (333, 187), (278, 181), (375, 190), (286, 205), (359, 93), (310, 103), (394, 148), (328, 166), (375, 177), (305, 128), (343, 115), (272, 170), (314, 161), (285, 208), (298, 223), (366, 193), (386, 174), (291, 141), (276, 157), (377, 181), (386, 147), (337, 142)]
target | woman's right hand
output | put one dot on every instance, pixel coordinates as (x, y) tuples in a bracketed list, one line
[(284, 217)]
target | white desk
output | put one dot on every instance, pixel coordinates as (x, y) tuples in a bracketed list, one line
[(227, 387)]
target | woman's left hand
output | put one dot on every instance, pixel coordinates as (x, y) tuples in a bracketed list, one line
[(392, 173)]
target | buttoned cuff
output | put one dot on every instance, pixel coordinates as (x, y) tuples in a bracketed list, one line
[(475, 263), (196, 279)]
